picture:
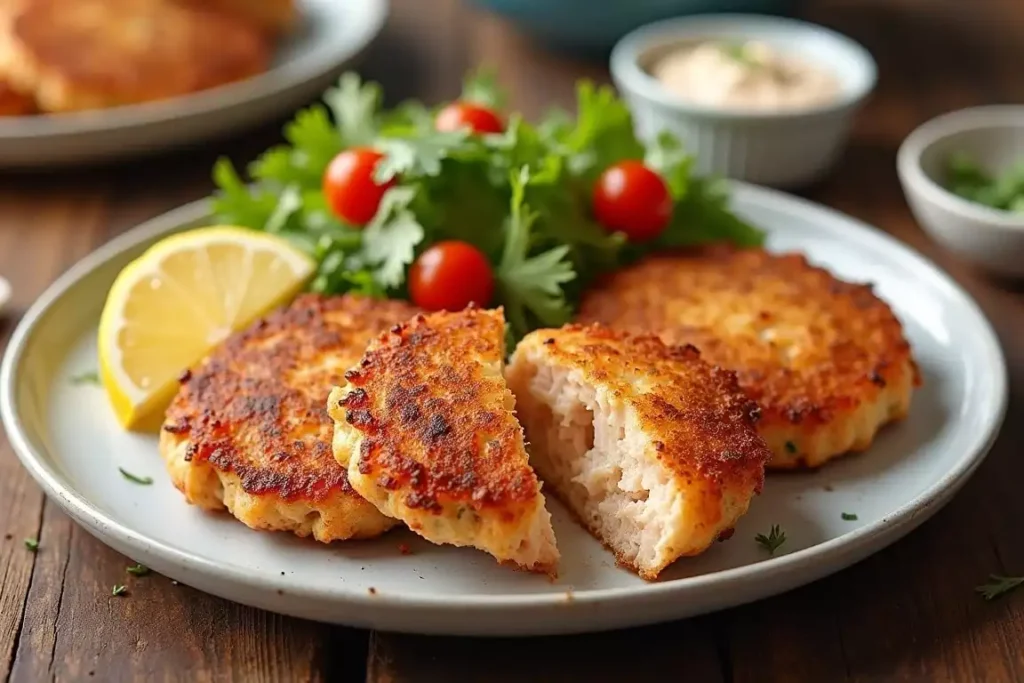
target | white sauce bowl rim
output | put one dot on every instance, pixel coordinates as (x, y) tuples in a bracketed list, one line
[(627, 53)]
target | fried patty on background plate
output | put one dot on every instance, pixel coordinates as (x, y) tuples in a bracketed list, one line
[(426, 428), (653, 450), (248, 432), (826, 360), (74, 55)]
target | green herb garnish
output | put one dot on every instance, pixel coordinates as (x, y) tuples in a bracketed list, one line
[(965, 178), (138, 570), (738, 52), (999, 585), (849, 517), (32, 544), (522, 197), (85, 378), (790, 447), (775, 538), (135, 479), (119, 590)]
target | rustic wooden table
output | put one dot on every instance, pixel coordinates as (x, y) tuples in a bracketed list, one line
[(907, 614)]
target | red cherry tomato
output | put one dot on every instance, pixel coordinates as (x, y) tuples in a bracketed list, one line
[(477, 118), (449, 276), (349, 187), (631, 198)]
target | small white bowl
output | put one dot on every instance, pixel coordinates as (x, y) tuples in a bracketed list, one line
[(785, 148), (992, 136)]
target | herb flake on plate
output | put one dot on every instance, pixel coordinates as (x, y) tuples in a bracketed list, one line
[(775, 538), (91, 377), (134, 478)]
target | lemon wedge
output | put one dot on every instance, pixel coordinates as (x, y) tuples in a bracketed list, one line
[(167, 309)]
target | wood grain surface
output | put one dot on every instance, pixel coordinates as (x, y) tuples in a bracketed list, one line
[(908, 613)]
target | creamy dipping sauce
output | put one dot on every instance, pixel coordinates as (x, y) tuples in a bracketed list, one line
[(748, 75)]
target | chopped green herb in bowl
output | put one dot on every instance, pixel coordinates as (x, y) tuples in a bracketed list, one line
[(1003, 191)]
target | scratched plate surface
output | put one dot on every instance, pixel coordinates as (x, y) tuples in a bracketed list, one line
[(68, 439)]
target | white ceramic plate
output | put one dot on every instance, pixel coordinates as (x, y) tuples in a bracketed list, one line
[(67, 438), (331, 34)]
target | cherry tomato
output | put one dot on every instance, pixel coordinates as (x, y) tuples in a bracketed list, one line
[(449, 276), (477, 118), (349, 187), (631, 198)]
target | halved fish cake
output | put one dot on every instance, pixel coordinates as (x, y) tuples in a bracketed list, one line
[(427, 431), (248, 431), (90, 54), (654, 450), (826, 360)]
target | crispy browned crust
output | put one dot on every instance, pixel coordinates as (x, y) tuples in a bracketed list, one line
[(255, 410), (88, 54), (433, 423), (701, 424), (14, 103), (809, 348)]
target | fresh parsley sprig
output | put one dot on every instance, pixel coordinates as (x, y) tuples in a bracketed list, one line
[(775, 538)]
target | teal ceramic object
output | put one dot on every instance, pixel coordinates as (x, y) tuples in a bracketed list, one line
[(595, 25)]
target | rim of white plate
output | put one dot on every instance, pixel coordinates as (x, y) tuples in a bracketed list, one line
[(89, 515)]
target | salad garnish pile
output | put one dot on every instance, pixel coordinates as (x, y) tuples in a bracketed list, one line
[(469, 203)]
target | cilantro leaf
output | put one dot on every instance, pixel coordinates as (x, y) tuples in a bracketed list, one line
[(481, 87), (416, 157), (666, 155), (390, 240), (235, 203), (604, 131), (703, 216), (531, 286), (354, 105), (313, 141)]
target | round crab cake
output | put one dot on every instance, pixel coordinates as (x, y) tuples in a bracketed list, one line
[(91, 54), (426, 428), (826, 360), (248, 431), (652, 449)]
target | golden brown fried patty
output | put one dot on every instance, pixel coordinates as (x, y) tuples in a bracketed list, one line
[(14, 103), (273, 16), (655, 451), (89, 54), (249, 431), (826, 360), (426, 428)]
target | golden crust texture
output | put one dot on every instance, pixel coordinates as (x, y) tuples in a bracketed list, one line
[(14, 103), (248, 431), (75, 55), (826, 360), (426, 428), (681, 425)]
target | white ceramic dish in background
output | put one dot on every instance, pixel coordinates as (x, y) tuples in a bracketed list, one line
[(783, 149), (69, 441), (331, 34), (994, 137)]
